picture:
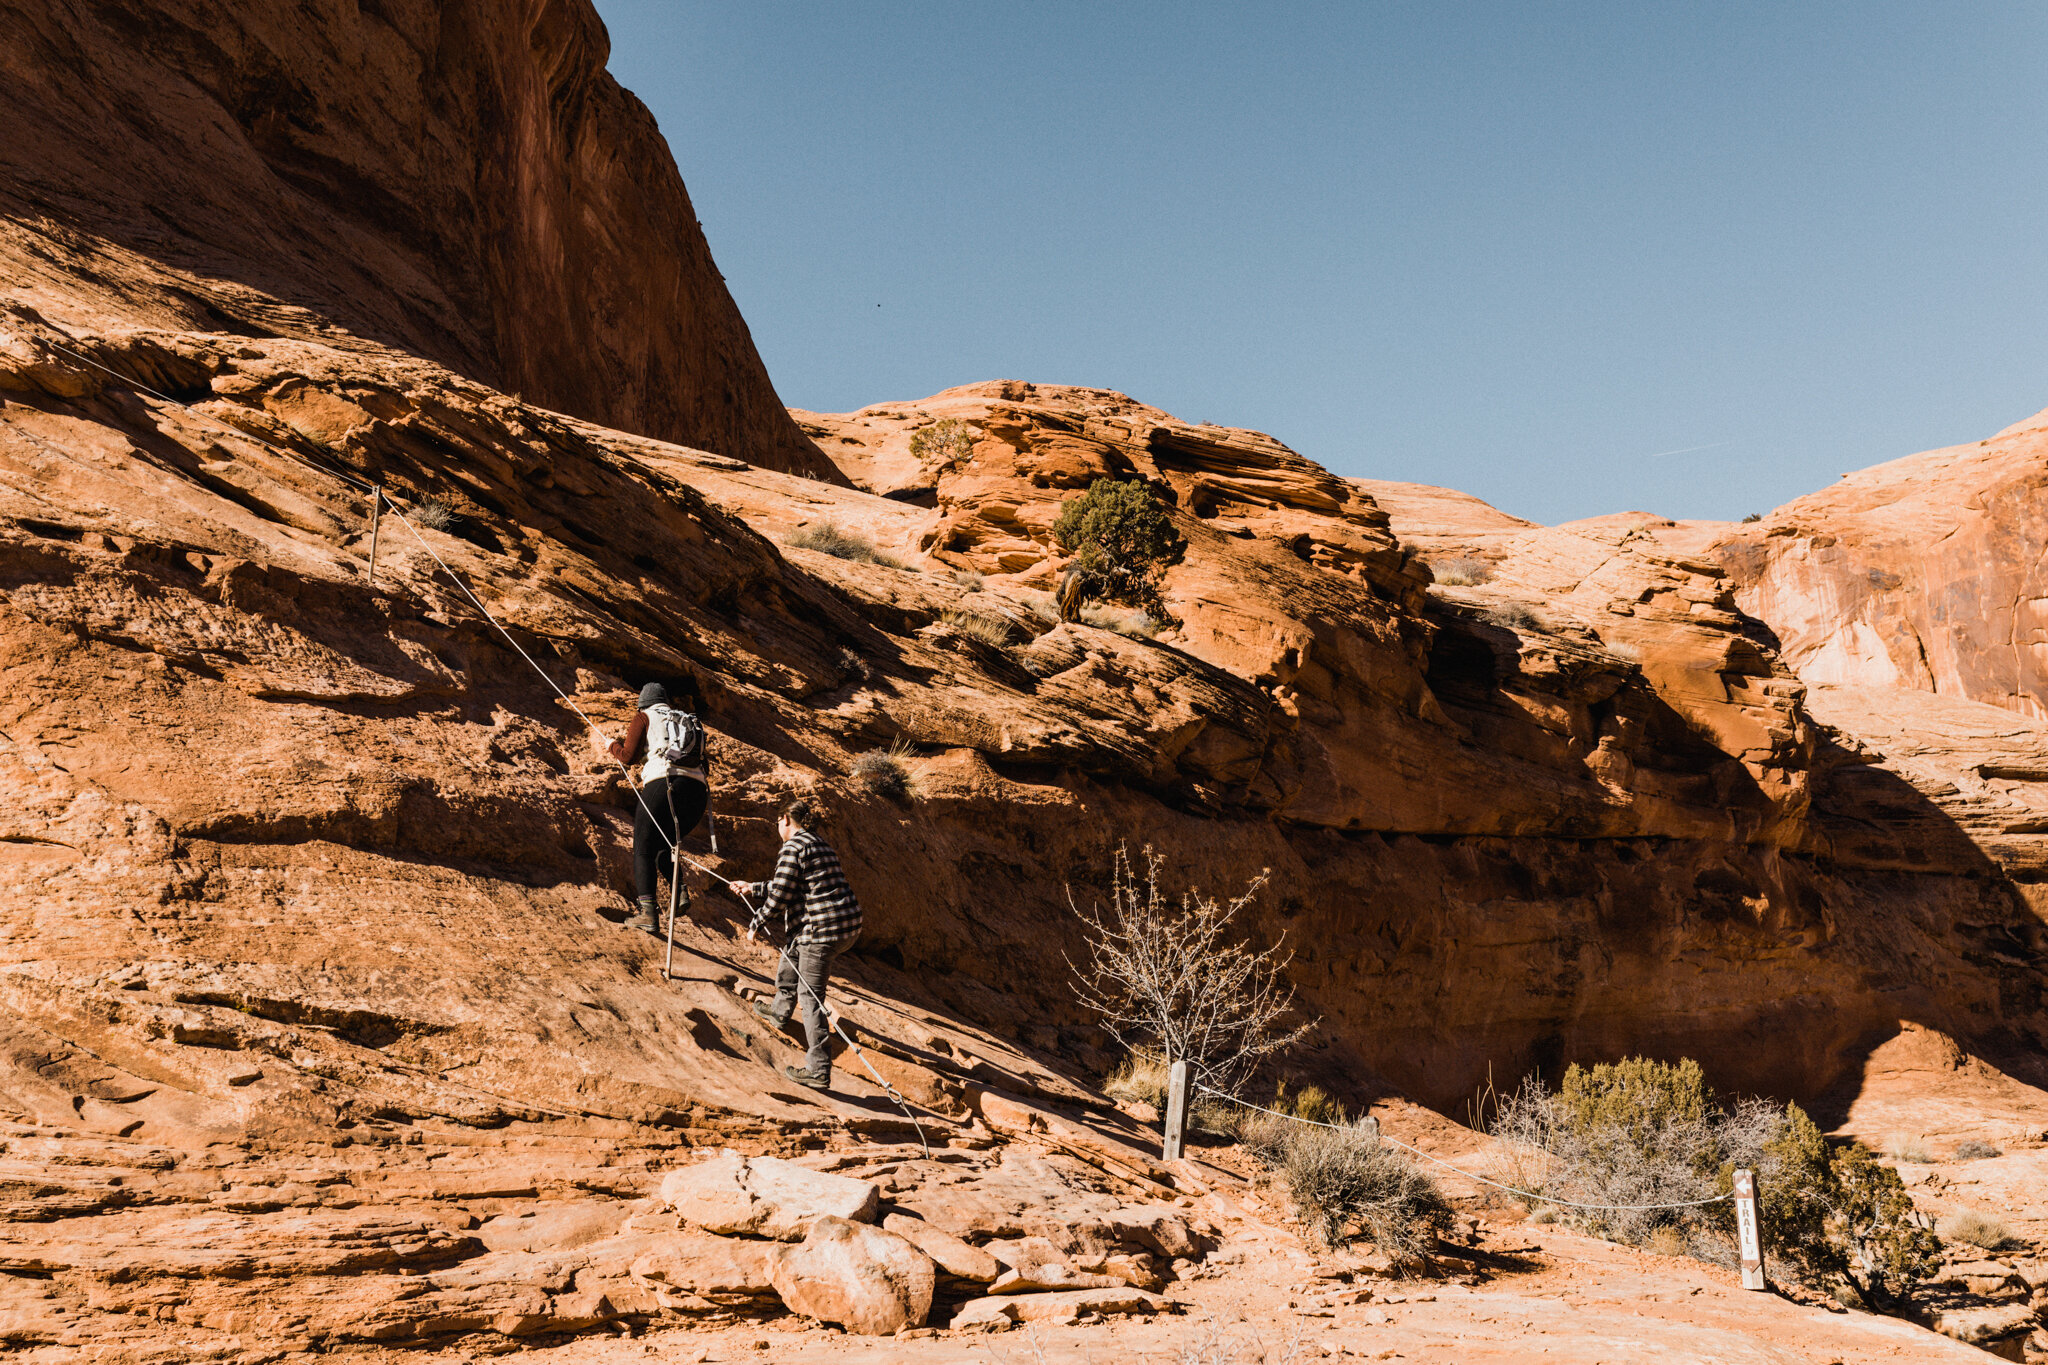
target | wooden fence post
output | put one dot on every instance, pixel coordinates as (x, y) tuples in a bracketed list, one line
[(1176, 1111), (376, 507), (1749, 1232)]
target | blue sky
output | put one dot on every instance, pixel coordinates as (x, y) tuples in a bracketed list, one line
[(1518, 249)]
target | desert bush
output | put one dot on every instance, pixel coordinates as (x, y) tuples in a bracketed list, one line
[(969, 579), (1972, 1150), (945, 443), (1668, 1241), (1121, 541), (1138, 625), (883, 771), (435, 514), (1342, 1179), (1977, 1229), (980, 625), (1913, 1149), (1311, 1103), (1174, 980), (1753, 516), (827, 538), (1140, 1080), (1461, 572), (1645, 1132)]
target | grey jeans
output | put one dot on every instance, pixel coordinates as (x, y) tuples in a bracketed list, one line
[(801, 980)]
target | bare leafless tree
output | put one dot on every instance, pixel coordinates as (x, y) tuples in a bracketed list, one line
[(1176, 980)]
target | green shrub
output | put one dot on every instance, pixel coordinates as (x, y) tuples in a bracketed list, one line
[(1121, 541), (1647, 1132), (944, 444)]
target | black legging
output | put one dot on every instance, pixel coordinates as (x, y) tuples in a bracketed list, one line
[(650, 851)]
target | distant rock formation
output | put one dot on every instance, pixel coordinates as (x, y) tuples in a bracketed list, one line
[(457, 179), (1929, 573)]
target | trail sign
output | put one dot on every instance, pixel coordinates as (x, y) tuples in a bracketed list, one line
[(1749, 1232)]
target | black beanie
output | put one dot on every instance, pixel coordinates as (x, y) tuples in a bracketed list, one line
[(654, 694)]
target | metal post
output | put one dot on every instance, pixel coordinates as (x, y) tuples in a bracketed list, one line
[(1176, 1111), (1749, 1232), (675, 882), (376, 507)]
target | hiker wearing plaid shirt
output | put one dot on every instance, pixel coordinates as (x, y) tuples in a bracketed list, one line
[(808, 879)]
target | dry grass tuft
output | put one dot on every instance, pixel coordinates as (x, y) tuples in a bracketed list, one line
[(1977, 1229), (980, 625), (1462, 572), (1913, 1149), (827, 539), (883, 771), (1138, 625), (435, 514), (1972, 1150), (1140, 1080)]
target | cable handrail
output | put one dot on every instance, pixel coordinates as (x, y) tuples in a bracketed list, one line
[(675, 851), (1469, 1175)]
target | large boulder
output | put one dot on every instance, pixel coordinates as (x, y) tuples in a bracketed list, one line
[(865, 1279), (765, 1197)]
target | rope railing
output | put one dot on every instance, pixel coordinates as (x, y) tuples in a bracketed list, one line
[(675, 851), (1459, 1170)]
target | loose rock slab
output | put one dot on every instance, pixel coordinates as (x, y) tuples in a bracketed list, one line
[(765, 1197), (865, 1279), (949, 1253), (1073, 1303)]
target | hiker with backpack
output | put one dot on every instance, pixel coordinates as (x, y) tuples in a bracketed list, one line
[(674, 790), (808, 879)]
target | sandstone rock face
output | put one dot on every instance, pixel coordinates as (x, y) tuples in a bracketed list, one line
[(459, 180), (763, 1196), (865, 1279), (1920, 574)]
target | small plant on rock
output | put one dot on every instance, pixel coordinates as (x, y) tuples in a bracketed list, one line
[(1121, 541), (943, 445), (435, 514), (883, 771), (1972, 1150), (1175, 980)]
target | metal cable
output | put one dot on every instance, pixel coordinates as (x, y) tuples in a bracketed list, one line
[(1526, 1194), (675, 852)]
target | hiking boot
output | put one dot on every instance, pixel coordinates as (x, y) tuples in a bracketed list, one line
[(643, 917), (814, 1080), (766, 1014)]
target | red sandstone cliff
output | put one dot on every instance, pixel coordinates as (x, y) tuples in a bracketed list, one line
[(456, 178), (310, 916)]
